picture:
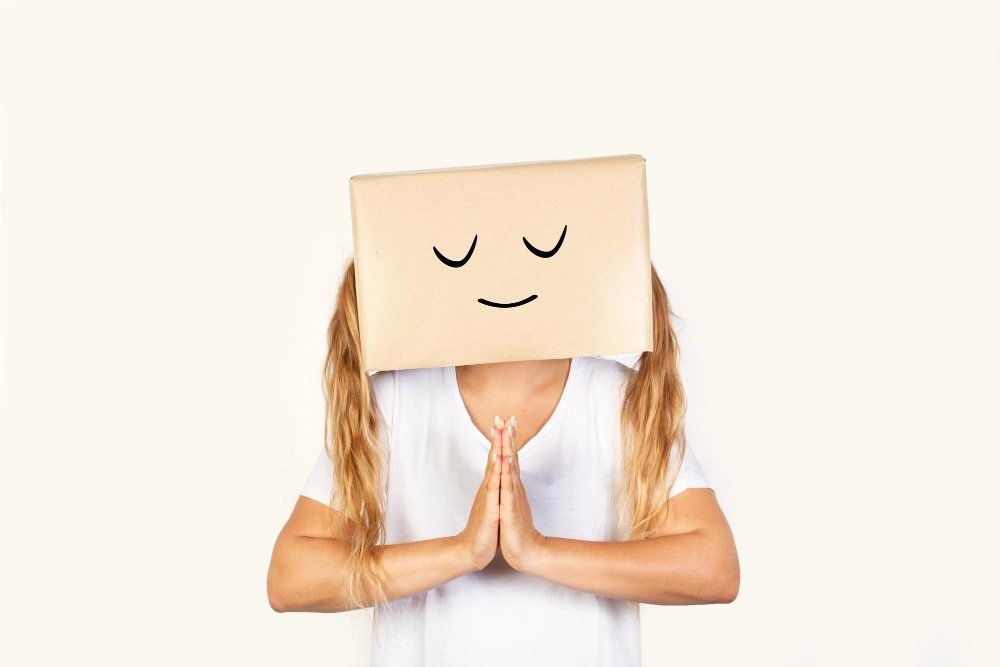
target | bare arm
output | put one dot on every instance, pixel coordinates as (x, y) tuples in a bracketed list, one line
[(308, 565), (308, 569), (691, 559)]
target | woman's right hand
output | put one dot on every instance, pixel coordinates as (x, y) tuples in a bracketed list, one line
[(480, 537)]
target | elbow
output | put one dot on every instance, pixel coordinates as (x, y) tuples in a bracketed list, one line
[(275, 597), (284, 580), (728, 590), (287, 594), (296, 581), (277, 589), (726, 582)]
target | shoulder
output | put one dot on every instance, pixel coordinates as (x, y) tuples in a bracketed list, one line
[(384, 385), (384, 382), (602, 377), (410, 386), (604, 368), (408, 379)]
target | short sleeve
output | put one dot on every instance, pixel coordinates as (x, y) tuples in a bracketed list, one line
[(691, 475), (320, 483)]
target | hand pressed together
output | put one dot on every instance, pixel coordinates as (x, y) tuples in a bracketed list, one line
[(481, 535), (519, 540), (500, 515)]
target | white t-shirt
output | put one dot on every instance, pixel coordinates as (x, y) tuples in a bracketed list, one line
[(499, 616)]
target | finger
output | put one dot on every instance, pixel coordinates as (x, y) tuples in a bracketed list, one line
[(495, 445), (507, 473), (493, 481), (510, 448), (490, 455), (506, 485), (505, 438), (515, 462)]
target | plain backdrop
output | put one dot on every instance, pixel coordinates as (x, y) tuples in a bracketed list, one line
[(824, 195)]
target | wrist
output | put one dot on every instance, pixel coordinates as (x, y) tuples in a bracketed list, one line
[(534, 556), (462, 555)]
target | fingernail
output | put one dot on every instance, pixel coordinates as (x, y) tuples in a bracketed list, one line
[(492, 431), (508, 432), (513, 420), (493, 458), (496, 421)]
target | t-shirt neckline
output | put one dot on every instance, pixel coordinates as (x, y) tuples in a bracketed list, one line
[(549, 425)]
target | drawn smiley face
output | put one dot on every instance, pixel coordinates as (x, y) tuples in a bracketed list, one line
[(544, 254), (496, 263)]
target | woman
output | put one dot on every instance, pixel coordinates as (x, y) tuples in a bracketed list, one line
[(568, 529)]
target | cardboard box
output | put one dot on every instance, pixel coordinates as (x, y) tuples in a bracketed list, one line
[(530, 260)]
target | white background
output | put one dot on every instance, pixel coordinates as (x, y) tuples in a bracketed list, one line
[(824, 193)]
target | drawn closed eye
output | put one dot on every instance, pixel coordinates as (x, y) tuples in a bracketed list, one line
[(460, 262), (546, 253)]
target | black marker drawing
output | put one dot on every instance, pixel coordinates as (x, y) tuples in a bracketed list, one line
[(507, 305), (546, 253), (493, 304), (461, 262)]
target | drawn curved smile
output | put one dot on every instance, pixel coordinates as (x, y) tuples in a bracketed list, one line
[(508, 305)]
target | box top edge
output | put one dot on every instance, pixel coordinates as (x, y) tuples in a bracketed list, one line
[(440, 170)]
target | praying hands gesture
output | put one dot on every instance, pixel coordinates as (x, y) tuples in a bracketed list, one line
[(501, 515), (690, 558), (519, 541)]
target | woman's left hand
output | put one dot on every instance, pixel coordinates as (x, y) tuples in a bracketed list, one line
[(519, 541)]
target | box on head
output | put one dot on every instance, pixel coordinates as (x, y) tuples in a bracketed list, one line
[(505, 262)]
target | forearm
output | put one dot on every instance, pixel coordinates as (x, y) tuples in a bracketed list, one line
[(311, 573), (685, 568)]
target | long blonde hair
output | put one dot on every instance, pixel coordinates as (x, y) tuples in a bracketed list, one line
[(652, 414)]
